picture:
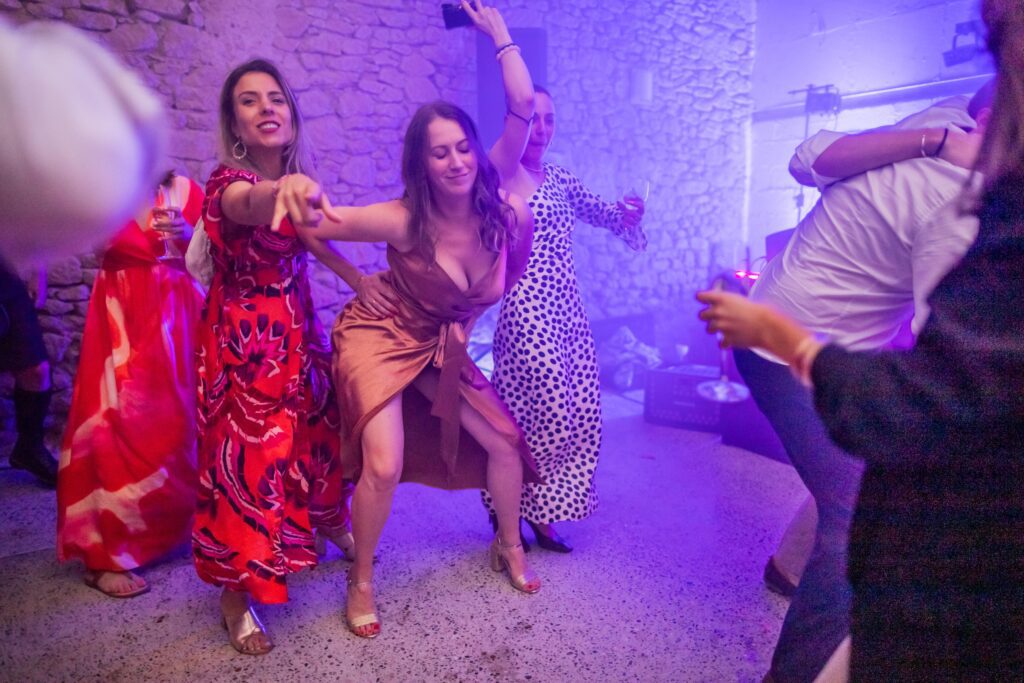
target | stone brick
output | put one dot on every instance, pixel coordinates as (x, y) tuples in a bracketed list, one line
[(63, 273), (195, 145), (89, 20), (359, 171), (292, 22), (316, 103), (421, 90), (178, 40), (56, 307), (73, 294), (172, 9), (43, 11), (56, 345), (119, 7), (132, 37), (416, 65)]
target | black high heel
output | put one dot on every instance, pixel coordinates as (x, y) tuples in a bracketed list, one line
[(493, 519), (552, 541)]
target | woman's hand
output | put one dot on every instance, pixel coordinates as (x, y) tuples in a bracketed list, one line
[(632, 211), (488, 20), (377, 295), (739, 321), (301, 199), (171, 224), (743, 323)]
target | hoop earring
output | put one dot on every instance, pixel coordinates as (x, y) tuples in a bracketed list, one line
[(239, 155)]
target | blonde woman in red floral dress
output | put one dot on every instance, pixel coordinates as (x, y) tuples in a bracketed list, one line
[(270, 477)]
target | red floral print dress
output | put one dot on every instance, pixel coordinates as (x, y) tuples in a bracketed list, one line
[(269, 468)]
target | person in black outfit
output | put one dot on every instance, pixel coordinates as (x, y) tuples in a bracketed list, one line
[(22, 353), (936, 556)]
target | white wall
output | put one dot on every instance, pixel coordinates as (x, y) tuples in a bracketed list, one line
[(858, 46)]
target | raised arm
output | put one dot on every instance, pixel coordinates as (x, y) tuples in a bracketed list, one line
[(519, 95)]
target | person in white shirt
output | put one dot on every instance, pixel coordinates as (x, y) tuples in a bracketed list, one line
[(888, 226)]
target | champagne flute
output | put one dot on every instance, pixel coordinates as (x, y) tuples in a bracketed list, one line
[(722, 390), (168, 207), (638, 189)]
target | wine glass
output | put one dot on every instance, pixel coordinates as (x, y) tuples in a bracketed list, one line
[(638, 189), (168, 208), (722, 390)]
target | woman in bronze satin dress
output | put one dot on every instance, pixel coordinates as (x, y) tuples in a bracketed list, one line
[(456, 244)]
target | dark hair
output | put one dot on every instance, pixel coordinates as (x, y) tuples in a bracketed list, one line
[(167, 178), (497, 217), (1002, 150), (295, 155), (541, 88)]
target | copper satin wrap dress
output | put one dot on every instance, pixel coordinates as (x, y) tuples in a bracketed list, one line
[(376, 359)]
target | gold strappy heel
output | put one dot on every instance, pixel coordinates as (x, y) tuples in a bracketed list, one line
[(527, 582), (370, 619), (242, 628)]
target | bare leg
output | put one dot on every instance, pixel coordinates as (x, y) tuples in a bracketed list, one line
[(383, 442), (797, 542), (837, 668), (504, 476)]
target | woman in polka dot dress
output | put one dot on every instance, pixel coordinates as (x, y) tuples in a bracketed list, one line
[(545, 366)]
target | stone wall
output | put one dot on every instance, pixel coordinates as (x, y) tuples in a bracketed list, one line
[(361, 67), (689, 140)]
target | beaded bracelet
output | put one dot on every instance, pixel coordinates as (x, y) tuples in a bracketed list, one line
[(502, 47), (507, 50)]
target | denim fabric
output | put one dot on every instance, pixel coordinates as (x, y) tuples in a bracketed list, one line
[(819, 614)]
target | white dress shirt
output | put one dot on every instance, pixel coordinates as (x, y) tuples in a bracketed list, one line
[(868, 254)]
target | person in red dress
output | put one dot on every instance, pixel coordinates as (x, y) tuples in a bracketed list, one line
[(269, 469), (127, 478)]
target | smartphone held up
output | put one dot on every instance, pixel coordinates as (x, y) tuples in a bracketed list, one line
[(455, 16)]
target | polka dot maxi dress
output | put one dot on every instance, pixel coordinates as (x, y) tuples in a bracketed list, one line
[(545, 365)]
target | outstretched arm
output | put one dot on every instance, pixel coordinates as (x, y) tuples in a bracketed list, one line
[(624, 218), (519, 95)]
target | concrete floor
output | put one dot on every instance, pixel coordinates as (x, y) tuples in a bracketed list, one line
[(664, 585)]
